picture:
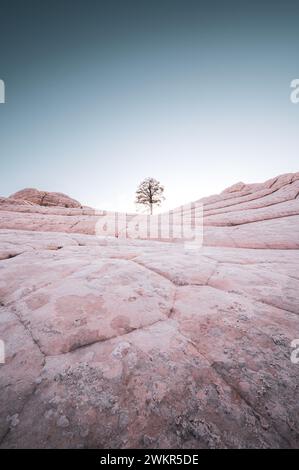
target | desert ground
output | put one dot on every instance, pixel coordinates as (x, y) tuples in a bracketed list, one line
[(114, 342)]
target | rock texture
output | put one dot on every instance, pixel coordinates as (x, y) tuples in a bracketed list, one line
[(119, 343), (43, 198)]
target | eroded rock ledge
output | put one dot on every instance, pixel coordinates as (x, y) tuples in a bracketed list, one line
[(134, 343)]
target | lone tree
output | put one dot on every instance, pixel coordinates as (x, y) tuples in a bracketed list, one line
[(150, 193)]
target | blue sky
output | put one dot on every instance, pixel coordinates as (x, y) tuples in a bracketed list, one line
[(100, 95)]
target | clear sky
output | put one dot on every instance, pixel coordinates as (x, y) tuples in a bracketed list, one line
[(100, 94)]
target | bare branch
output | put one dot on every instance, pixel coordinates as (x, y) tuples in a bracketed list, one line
[(150, 193)]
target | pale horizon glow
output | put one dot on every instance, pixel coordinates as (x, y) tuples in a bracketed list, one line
[(99, 98)]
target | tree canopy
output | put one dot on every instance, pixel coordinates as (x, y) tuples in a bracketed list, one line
[(150, 193)]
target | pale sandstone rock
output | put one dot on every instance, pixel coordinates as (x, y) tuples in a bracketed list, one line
[(137, 343), (44, 198), (263, 215), (235, 187)]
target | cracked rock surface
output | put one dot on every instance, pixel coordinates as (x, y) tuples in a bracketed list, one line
[(115, 343)]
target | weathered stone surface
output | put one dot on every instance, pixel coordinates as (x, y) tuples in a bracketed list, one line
[(44, 198), (136, 343), (23, 363), (263, 215), (95, 303)]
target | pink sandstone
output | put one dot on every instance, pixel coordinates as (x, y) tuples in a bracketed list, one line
[(121, 343)]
